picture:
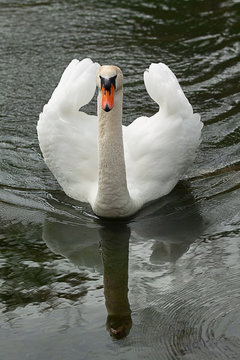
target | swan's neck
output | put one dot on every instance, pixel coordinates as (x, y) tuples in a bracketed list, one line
[(113, 198)]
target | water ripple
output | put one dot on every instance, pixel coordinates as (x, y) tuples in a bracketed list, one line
[(200, 318)]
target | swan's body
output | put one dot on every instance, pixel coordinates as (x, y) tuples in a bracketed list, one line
[(117, 169)]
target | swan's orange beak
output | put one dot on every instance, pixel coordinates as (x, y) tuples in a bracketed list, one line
[(108, 86), (108, 98)]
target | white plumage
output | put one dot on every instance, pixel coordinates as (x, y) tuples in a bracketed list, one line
[(157, 150)]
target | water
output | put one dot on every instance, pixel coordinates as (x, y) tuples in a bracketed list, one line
[(170, 273)]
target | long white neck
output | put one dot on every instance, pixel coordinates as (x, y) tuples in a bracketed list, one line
[(112, 198)]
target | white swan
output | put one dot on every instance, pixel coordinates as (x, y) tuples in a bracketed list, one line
[(117, 169)]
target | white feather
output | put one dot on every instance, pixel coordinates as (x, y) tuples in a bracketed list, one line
[(68, 137), (159, 149)]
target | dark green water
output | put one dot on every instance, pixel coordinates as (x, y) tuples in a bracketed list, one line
[(171, 273)]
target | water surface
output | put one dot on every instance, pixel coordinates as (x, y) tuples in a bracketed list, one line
[(165, 283)]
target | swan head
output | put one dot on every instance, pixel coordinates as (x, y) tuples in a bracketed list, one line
[(109, 81)]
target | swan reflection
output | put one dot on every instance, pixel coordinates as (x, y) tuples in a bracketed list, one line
[(82, 244), (170, 226)]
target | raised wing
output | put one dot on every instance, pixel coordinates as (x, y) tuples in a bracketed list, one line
[(68, 137), (159, 149)]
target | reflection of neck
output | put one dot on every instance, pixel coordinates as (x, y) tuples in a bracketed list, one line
[(115, 243)]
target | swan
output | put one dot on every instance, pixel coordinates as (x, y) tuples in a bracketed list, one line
[(116, 168)]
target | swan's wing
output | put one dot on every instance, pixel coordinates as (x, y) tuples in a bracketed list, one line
[(68, 137), (159, 149)]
